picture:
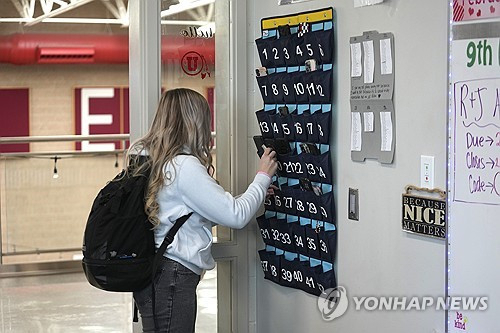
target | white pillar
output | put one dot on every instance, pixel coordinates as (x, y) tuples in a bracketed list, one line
[(144, 64), (144, 70)]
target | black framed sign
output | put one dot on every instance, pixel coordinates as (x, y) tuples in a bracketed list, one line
[(424, 215)]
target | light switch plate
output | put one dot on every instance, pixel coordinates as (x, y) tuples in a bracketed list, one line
[(427, 171), (353, 201)]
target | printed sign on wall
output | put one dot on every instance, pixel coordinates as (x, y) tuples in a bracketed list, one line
[(464, 10), (14, 115), (102, 110), (425, 216)]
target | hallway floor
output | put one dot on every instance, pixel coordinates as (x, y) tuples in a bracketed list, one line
[(68, 303)]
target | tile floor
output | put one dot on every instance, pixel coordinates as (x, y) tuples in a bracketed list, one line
[(67, 303)]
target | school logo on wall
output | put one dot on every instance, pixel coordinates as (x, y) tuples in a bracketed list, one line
[(194, 64), (103, 110), (425, 216)]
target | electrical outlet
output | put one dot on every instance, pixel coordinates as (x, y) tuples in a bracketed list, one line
[(427, 171)]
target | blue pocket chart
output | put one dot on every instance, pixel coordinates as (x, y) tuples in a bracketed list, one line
[(299, 225)]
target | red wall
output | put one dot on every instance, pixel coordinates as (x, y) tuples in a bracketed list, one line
[(14, 117)]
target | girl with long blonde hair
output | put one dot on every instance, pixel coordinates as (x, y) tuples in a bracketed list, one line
[(178, 145)]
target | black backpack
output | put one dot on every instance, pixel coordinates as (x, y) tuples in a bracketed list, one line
[(119, 251)]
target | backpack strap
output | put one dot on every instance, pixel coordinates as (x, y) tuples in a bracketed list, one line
[(169, 238)]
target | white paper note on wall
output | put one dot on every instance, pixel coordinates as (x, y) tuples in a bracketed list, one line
[(356, 68), (368, 121), (369, 61), (385, 56), (361, 3), (386, 131), (355, 131), (290, 2)]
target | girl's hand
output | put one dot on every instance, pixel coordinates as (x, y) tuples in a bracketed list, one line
[(270, 190), (268, 163)]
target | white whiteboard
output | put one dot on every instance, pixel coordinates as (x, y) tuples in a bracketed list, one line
[(474, 177)]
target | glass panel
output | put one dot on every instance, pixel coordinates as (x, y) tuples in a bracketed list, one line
[(190, 41), (43, 212), (206, 318), (62, 86), (225, 270)]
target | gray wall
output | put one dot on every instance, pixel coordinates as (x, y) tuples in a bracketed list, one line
[(374, 256)]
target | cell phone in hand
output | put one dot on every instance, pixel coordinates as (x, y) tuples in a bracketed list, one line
[(259, 143)]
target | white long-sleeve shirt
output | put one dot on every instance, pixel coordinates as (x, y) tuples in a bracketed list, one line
[(189, 188)]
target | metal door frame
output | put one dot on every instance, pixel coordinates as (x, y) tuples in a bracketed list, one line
[(232, 144)]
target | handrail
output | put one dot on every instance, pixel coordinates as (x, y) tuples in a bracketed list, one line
[(39, 251), (63, 153), (62, 138)]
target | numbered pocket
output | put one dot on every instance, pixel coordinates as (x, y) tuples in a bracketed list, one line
[(270, 265), (311, 278), (327, 208), (288, 202), (298, 129), (312, 242), (286, 86), (269, 203), (310, 127), (265, 230), (298, 276), (310, 46), (299, 237), (264, 123), (287, 127), (322, 124), (324, 44), (267, 96), (327, 244), (276, 127), (279, 205), (288, 52), (286, 273)]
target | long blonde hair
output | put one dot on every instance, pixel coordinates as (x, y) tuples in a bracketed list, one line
[(181, 125)]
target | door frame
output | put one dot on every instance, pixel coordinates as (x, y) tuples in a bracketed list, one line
[(232, 141)]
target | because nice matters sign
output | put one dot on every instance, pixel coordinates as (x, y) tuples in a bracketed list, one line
[(424, 216)]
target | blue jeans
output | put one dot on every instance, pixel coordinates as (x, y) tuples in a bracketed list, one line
[(175, 294)]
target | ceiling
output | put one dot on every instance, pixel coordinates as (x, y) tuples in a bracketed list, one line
[(35, 15)]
